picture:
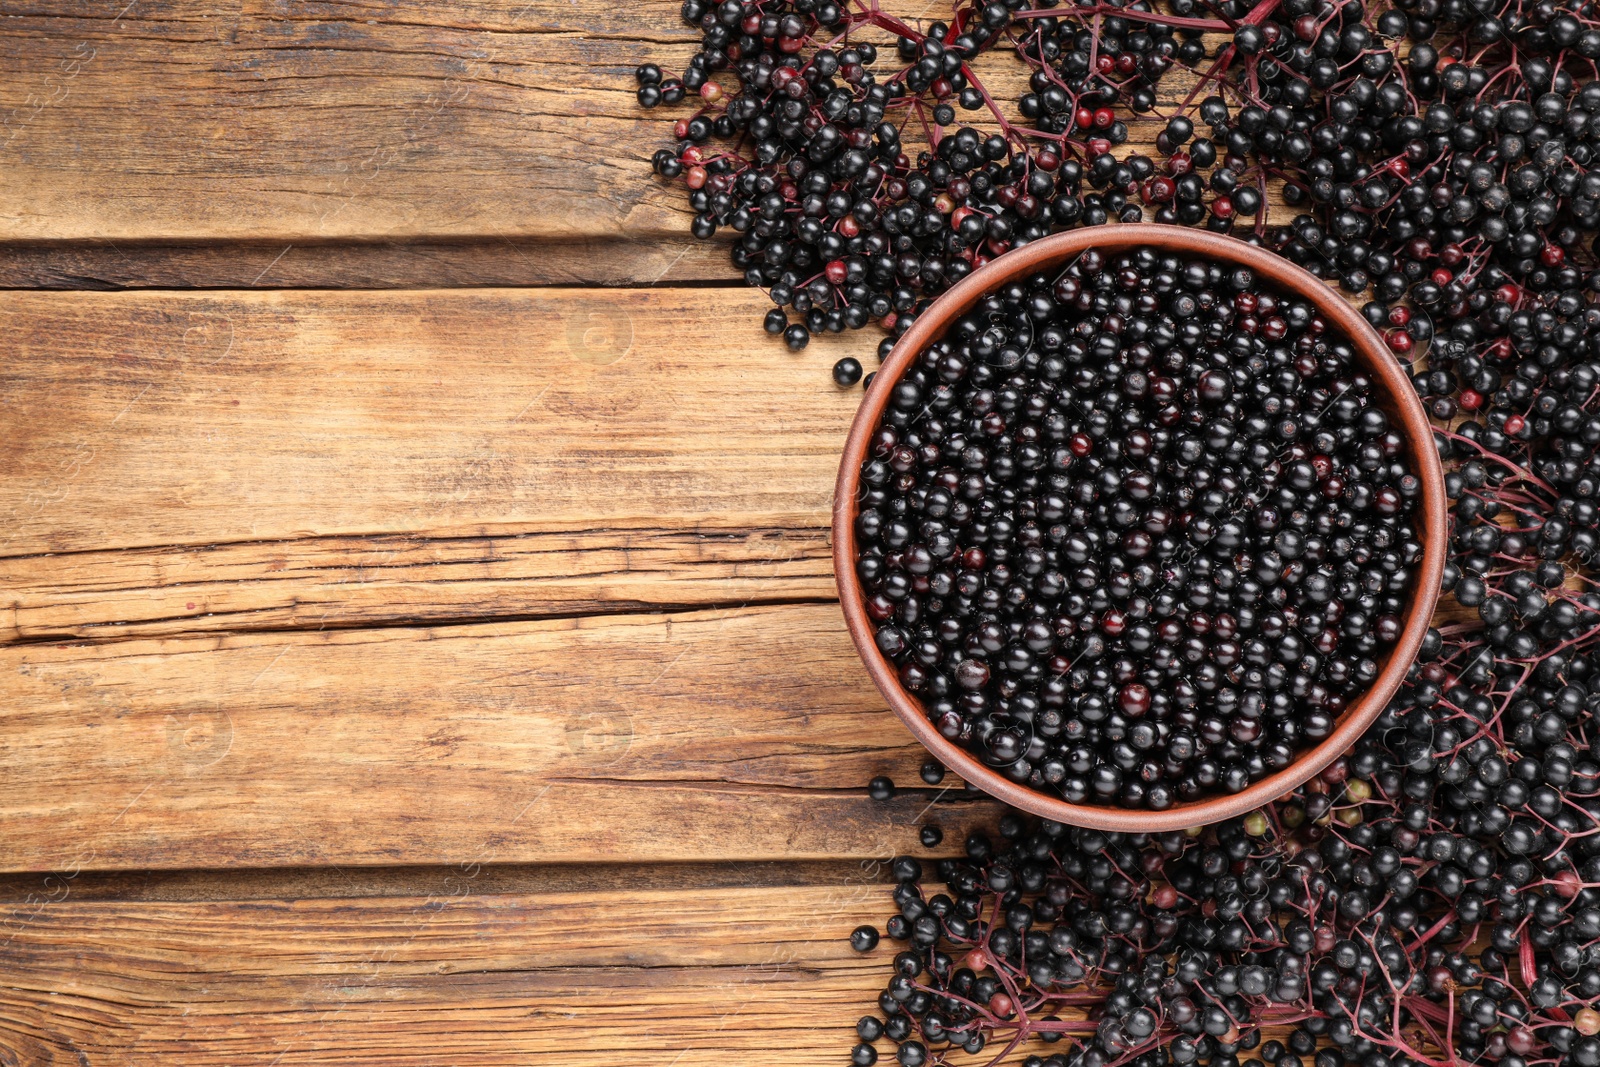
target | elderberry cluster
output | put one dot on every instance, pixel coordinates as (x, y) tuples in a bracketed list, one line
[(1433, 900), (1425, 901), (1440, 148), (1136, 533)]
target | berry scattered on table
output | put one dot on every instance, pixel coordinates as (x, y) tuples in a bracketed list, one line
[(1439, 153), (864, 938)]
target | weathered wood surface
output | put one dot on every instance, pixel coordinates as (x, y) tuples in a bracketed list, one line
[(619, 537), (741, 733), (278, 144), (160, 419), (325, 614), (267, 121), (458, 976), (673, 258), (328, 583), (183, 463)]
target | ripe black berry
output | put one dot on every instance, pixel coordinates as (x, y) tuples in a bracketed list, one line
[(1144, 544)]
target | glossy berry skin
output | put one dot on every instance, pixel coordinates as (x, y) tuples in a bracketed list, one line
[(912, 1054), (847, 372), (864, 938), (1144, 545), (881, 788)]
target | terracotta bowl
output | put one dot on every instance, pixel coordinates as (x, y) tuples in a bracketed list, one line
[(1392, 392)]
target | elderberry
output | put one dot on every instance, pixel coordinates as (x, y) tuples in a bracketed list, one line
[(1137, 532)]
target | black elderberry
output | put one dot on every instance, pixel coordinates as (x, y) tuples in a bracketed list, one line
[(1438, 155), (1112, 615)]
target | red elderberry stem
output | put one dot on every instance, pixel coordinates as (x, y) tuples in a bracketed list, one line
[(1521, 472), (1211, 25)]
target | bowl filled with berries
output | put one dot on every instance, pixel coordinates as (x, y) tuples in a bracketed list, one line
[(1139, 527)]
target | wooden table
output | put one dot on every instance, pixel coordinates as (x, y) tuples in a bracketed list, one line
[(419, 637), (418, 640)]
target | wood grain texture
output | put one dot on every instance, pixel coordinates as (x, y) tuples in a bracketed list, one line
[(739, 733), (339, 120), (166, 419), (341, 143), (670, 259), (327, 583), (460, 977), (20, 891)]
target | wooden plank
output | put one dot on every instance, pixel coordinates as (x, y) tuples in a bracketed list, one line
[(168, 419), (733, 734), (331, 583), (502, 137), (476, 969), (459, 977), (331, 121), (185, 463)]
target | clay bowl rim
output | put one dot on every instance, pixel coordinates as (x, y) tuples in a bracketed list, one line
[(1395, 396)]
